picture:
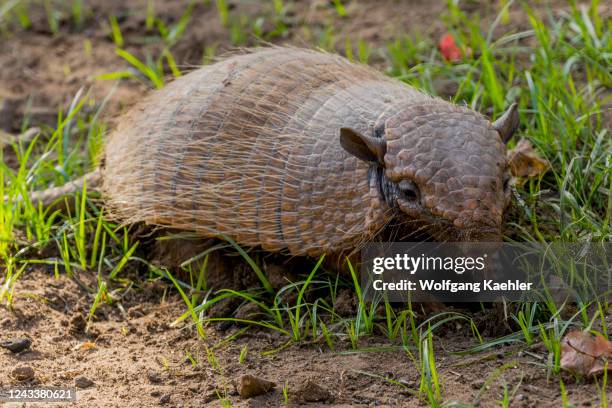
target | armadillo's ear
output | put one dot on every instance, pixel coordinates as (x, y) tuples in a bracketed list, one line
[(366, 148), (507, 123)]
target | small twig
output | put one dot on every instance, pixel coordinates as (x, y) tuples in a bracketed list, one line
[(534, 355)]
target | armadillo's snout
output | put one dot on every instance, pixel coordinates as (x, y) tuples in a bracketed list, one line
[(442, 168), (479, 214), (457, 159), (478, 232)]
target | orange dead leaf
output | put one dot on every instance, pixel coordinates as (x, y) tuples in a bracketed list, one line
[(87, 345), (585, 354), (525, 161)]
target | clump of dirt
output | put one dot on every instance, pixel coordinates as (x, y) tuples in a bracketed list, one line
[(311, 391), (250, 386)]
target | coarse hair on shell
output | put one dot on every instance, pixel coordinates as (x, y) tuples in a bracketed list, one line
[(250, 148)]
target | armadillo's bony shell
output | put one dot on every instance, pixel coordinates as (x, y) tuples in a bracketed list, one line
[(249, 147)]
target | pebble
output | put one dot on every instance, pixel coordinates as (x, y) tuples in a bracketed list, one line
[(154, 377), (23, 373), (251, 386), (16, 345), (164, 399), (83, 382)]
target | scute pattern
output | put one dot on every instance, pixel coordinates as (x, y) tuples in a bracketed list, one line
[(248, 147), (455, 157)]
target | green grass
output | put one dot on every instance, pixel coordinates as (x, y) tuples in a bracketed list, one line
[(559, 85), (430, 380), (558, 72)]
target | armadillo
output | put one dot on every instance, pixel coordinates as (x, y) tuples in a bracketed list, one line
[(304, 152)]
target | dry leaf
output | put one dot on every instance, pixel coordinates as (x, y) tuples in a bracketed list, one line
[(585, 354), (524, 160), (87, 345)]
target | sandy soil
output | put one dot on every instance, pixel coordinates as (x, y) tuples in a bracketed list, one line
[(135, 357)]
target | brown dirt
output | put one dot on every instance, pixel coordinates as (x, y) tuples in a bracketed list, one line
[(42, 72), (135, 357), (132, 354)]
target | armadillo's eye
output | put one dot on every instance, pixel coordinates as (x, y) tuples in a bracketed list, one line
[(408, 190)]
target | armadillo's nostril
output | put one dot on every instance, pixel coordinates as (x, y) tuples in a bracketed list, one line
[(477, 232)]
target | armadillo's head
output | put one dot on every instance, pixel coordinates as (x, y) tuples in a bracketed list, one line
[(442, 168)]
